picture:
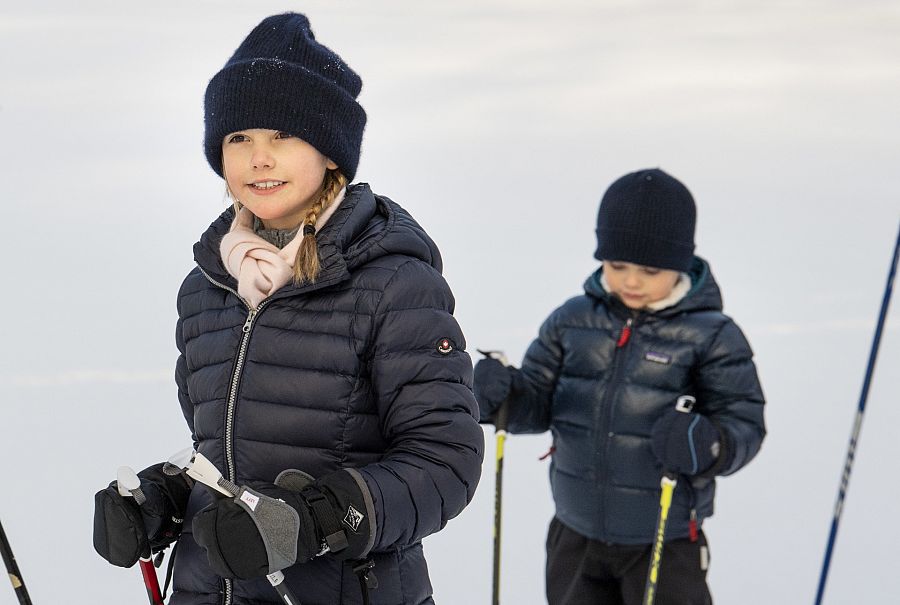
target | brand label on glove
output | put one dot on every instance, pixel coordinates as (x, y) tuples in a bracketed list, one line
[(353, 518), (250, 500)]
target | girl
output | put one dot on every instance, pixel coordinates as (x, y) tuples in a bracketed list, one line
[(604, 376), (316, 334)]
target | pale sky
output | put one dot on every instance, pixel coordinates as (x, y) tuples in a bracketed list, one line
[(497, 124)]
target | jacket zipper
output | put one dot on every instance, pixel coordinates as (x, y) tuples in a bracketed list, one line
[(619, 353), (235, 379), (232, 393)]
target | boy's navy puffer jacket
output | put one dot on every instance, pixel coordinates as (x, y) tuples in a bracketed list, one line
[(600, 401), (364, 369)]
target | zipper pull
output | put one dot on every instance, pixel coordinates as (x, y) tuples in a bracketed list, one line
[(250, 316), (625, 335), (692, 525)]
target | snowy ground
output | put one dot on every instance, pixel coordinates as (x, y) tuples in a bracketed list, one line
[(497, 124)]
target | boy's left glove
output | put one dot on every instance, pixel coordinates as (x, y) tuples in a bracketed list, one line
[(269, 527), (493, 382), (686, 443)]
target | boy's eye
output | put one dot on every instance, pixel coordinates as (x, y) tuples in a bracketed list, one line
[(616, 266), (651, 271)]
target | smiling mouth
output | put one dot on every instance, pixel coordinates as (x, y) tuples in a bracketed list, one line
[(265, 185)]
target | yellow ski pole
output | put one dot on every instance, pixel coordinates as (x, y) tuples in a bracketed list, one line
[(500, 420), (669, 480)]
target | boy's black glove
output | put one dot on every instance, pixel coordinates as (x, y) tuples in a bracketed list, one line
[(267, 528), (124, 531), (493, 381), (686, 443)]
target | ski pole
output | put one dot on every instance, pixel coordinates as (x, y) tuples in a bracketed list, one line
[(500, 422), (669, 480), (13, 570), (129, 485), (201, 469), (857, 424)]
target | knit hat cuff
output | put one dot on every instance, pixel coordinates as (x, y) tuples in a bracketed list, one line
[(280, 95), (633, 247)]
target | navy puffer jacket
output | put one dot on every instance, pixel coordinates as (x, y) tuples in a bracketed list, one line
[(364, 369), (600, 401)]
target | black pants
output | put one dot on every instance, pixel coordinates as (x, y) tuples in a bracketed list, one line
[(581, 571)]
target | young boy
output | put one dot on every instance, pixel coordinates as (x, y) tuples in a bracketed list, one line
[(604, 375)]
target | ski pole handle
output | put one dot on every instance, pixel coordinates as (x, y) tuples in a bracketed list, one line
[(501, 416), (684, 404)]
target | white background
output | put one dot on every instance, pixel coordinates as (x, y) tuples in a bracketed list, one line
[(498, 124)]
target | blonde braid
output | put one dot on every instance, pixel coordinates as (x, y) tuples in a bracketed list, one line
[(306, 263)]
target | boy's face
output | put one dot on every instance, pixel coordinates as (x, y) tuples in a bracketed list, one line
[(636, 285), (276, 175)]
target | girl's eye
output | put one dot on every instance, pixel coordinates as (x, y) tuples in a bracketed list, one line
[(237, 138), (284, 135)]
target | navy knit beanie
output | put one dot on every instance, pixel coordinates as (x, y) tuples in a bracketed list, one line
[(281, 78), (647, 218)]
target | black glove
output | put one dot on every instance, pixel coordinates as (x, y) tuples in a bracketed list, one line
[(686, 443), (493, 381), (269, 527), (124, 531)]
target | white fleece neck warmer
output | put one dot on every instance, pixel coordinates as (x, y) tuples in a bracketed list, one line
[(682, 287)]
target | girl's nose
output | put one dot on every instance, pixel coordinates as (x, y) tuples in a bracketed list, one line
[(261, 158)]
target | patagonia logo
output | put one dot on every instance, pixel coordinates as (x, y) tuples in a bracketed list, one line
[(657, 357), (353, 518)]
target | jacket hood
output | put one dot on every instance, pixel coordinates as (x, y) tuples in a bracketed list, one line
[(704, 294), (363, 228)]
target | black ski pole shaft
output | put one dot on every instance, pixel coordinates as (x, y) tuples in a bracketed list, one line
[(857, 424), (13, 570), (500, 424), (500, 420)]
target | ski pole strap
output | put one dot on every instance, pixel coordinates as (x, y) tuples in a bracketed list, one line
[(367, 579), (169, 568), (334, 536)]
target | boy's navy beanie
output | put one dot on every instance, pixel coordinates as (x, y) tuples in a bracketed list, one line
[(281, 78), (647, 218)]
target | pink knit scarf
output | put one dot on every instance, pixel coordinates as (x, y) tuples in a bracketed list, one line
[(260, 268)]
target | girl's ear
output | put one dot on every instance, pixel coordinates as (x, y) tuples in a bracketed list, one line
[(330, 164)]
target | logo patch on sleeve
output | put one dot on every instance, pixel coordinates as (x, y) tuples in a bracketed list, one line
[(353, 518), (656, 357), (445, 346)]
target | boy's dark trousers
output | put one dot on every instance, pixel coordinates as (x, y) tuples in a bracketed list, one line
[(581, 571)]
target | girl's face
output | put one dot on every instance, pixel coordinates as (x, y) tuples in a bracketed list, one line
[(275, 174), (636, 285)]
